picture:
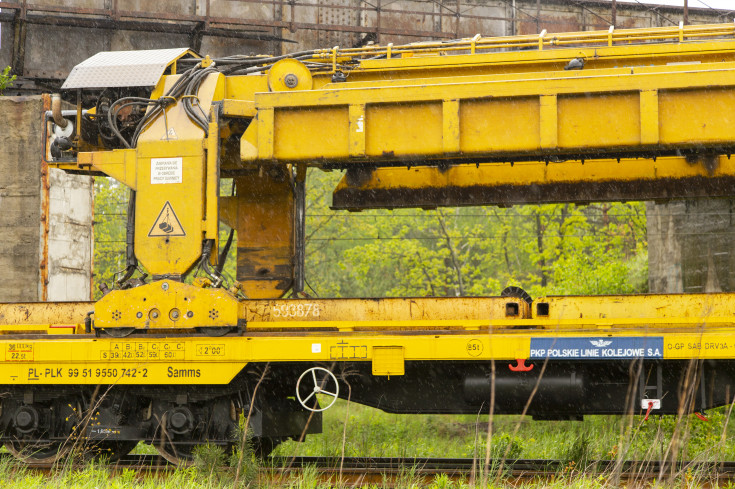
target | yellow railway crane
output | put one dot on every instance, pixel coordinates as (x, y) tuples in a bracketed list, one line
[(609, 115)]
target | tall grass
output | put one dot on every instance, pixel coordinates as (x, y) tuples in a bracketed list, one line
[(361, 431), (371, 432)]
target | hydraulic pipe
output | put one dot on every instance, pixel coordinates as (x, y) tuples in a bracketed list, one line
[(56, 111)]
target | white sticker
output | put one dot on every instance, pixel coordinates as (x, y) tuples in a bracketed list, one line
[(316, 347), (166, 170), (654, 403)]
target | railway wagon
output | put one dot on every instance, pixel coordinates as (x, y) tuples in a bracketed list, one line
[(174, 355)]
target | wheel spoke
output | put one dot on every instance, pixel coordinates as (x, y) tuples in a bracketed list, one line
[(322, 382)]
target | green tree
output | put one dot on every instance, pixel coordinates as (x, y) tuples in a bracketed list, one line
[(6, 79), (547, 249)]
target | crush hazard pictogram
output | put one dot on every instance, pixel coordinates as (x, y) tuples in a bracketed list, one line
[(167, 224)]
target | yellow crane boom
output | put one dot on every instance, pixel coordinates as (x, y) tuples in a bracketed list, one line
[(473, 121)]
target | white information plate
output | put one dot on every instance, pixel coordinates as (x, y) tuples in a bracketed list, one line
[(655, 403), (166, 170)]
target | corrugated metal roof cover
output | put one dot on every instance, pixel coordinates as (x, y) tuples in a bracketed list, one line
[(122, 68)]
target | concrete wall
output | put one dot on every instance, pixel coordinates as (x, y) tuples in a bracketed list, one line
[(45, 215), (20, 198), (70, 237), (691, 246)]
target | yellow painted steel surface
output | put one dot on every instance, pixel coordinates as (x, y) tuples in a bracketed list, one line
[(645, 110), (479, 99), (173, 170), (523, 182), (440, 105), (660, 45), (264, 202), (199, 360), (166, 305), (387, 332), (50, 317)]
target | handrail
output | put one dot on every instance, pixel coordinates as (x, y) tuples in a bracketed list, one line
[(541, 41)]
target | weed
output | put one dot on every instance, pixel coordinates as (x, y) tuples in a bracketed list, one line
[(442, 481), (506, 447), (209, 460), (308, 478), (579, 452), (245, 463)]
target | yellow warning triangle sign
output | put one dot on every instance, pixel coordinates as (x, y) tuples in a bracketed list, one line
[(167, 224)]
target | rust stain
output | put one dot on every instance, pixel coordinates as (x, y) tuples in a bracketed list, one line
[(45, 207)]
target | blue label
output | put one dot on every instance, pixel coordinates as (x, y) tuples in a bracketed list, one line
[(605, 348)]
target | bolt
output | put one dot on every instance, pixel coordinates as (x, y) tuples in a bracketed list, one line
[(154, 314), (139, 315), (23, 419), (174, 314), (291, 80), (190, 314), (164, 286)]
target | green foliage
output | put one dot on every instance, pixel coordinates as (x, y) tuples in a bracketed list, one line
[(506, 447), (371, 432), (710, 439), (579, 452), (429, 435), (546, 249), (209, 458), (110, 213), (6, 79), (471, 251)]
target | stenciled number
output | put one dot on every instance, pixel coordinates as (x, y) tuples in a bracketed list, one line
[(299, 310)]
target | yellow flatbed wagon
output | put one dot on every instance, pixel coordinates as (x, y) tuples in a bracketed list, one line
[(610, 115)]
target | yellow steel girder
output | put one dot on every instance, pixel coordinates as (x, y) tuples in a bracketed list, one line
[(646, 111), (431, 62), (536, 182), (262, 212), (386, 332), (200, 360), (450, 314)]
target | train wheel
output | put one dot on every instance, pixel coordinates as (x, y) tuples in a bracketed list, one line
[(177, 454), (38, 453), (118, 332), (215, 331)]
